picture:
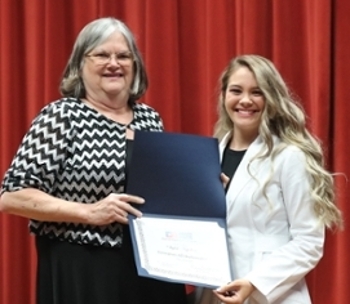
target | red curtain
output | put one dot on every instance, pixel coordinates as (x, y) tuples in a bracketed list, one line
[(185, 44)]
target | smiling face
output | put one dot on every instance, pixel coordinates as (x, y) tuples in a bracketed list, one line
[(113, 78), (244, 101)]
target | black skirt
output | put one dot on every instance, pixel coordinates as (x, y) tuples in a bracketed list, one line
[(83, 274)]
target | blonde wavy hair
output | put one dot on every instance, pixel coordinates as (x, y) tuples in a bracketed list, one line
[(284, 118)]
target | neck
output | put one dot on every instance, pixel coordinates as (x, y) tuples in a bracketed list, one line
[(118, 111), (108, 105), (241, 141)]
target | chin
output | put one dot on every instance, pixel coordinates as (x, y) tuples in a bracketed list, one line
[(116, 93)]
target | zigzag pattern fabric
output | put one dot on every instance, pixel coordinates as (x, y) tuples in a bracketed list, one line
[(73, 152)]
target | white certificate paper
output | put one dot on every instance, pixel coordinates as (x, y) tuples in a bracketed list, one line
[(191, 251)]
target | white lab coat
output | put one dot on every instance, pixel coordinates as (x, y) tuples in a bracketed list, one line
[(273, 243)]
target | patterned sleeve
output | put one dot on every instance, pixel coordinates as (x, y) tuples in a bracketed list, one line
[(147, 118), (158, 122), (41, 153)]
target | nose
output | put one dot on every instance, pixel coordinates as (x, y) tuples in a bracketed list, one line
[(245, 99), (113, 59)]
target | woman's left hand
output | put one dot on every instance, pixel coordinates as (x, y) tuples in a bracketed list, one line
[(235, 292), (224, 179)]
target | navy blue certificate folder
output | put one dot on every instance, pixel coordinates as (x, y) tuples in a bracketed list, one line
[(177, 175), (184, 213)]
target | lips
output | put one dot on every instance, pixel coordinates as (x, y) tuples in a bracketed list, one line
[(111, 75), (245, 111)]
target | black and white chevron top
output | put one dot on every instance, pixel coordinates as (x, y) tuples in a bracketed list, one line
[(74, 153)]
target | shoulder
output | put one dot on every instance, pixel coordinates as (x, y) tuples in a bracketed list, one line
[(145, 112), (292, 160), (292, 153), (146, 117), (286, 150), (284, 156), (60, 107), (143, 108), (58, 116)]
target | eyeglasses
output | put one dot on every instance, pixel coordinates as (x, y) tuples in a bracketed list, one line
[(123, 58)]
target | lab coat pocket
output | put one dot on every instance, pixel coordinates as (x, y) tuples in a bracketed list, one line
[(266, 244)]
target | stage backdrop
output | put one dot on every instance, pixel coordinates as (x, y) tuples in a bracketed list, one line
[(185, 44)]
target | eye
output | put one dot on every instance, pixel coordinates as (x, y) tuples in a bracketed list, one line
[(235, 91), (124, 56), (102, 55), (257, 93)]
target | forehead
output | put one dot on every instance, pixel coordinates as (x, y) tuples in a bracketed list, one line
[(115, 40), (242, 76)]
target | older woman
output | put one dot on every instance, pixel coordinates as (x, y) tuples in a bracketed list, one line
[(69, 173)]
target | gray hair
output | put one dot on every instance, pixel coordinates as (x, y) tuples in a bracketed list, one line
[(92, 35)]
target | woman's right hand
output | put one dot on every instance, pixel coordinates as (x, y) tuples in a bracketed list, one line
[(113, 208)]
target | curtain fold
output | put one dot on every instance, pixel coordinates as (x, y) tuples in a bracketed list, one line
[(185, 45)]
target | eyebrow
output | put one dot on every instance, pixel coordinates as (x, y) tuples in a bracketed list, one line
[(104, 50), (240, 86), (230, 86)]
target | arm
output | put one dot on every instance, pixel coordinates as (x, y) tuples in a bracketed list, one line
[(284, 267), (38, 205), (35, 204), (29, 182)]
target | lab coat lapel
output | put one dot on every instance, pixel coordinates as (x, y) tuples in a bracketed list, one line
[(242, 176)]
